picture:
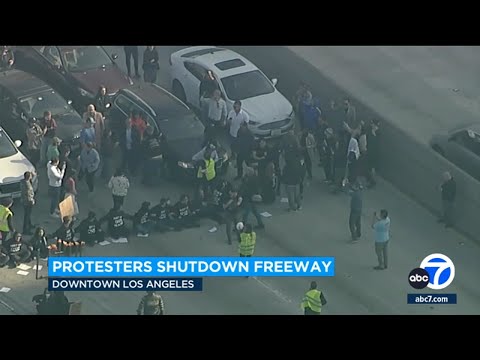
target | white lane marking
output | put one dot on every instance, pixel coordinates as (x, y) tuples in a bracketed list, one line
[(276, 292)]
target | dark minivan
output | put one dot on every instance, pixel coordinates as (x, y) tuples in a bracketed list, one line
[(167, 114)]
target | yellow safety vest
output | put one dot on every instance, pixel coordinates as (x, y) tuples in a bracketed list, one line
[(247, 244), (4, 214), (312, 301), (210, 170)]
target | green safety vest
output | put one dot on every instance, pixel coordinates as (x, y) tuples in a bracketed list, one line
[(210, 170), (247, 244), (4, 214), (312, 301)]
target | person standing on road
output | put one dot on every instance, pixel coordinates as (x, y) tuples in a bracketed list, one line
[(313, 300), (207, 86), (353, 154), (55, 174), (217, 110), (248, 239), (250, 191), (232, 202), (373, 152), (151, 304), (6, 217), (356, 206), (119, 184), (236, 117), (71, 189), (49, 128), (448, 190), (291, 178), (150, 64), (381, 227), (98, 123), (244, 146), (87, 134), (131, 52), (7, 58), (101, 100), (53, 151), (28, 200), (34, 141), (329, 151), (308, 145), (89, 163)]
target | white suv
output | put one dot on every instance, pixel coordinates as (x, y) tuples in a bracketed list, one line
[(13, 164), (271, 114)]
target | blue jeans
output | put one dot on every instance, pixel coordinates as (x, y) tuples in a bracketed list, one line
[(54, 193), (144, 228), (250, 207)]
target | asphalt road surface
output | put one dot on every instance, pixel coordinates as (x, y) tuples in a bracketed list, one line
[(320, 229)]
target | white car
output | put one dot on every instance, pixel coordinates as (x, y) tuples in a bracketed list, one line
[(13, 164), (271, 114)]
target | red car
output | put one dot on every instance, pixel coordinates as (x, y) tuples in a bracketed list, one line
[(76, 72)]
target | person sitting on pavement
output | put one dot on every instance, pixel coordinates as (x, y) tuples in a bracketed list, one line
[(161, 215), (65, 238), (117, 227), (39, 243), (90, 230), (184, 218), (18, 250), (141, 220)]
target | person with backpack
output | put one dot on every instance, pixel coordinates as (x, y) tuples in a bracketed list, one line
[(151, 304)]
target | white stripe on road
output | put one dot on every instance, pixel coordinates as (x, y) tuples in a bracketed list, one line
[(276, 292)]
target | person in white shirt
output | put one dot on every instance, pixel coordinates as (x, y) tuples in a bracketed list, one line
[(119, 184), (217, 110), (236, 118), (353, 154), (55, 173)]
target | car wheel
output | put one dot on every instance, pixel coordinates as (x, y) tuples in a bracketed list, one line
[(178, 91), (438, 150)]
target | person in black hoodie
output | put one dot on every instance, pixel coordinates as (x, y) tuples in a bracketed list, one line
[(117, 228), (18, 250), (65, 237), (303, 172), (292, 177), (250, 192), (141, 220), (39, 244), (150, 64), (154, 149), (184, 218), (90, 230), (101, 100), (161, 215)]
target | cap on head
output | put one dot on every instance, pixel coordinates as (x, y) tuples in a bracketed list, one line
[(313, 285)]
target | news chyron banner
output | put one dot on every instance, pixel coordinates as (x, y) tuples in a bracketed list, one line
[(173, 273)]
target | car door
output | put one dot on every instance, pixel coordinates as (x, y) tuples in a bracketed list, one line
[(464, 151), (121, 109), (190, 80), (54, 72), (11, 116)]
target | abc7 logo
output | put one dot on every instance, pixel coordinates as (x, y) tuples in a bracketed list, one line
[(436, 271)]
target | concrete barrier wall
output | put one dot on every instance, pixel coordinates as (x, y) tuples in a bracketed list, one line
[(412, 167)]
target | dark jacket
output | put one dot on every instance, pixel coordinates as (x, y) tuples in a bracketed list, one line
[(141, 216), (14, 247), (64, 233), (100, 103), (245, 142), (160, 213), (250, 187), (148, 56), (88, 229), (115, 219), (356, 201), (292, 173), (449, 190)]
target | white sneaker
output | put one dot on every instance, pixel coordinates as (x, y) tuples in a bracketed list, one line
[(143, 235), (123, 239), (115, 241)]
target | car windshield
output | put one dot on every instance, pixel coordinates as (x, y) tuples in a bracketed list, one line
[(35, 105), (185, 127), (77, 59), (247, 85), (7, 149)]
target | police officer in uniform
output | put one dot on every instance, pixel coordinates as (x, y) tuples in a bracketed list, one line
[(313, 300), (151, 304)]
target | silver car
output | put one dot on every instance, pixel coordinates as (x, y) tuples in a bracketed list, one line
[(461, 146)]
